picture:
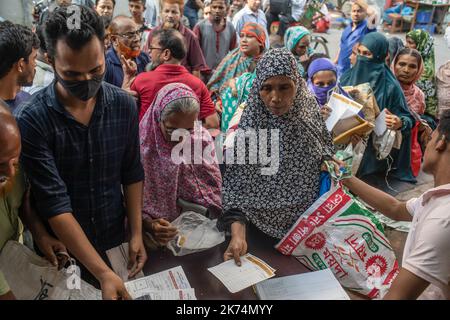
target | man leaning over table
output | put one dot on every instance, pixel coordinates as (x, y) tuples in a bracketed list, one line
[(80, 149)]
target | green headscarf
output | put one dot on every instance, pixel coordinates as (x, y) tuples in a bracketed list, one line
[(388, 94), (291, 38), (376, 72), (425, 45)]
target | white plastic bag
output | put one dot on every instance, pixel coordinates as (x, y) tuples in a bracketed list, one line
[(195, 233), (383, 144), (31, 277)]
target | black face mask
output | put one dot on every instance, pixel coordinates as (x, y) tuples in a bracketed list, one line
[(83, 90)]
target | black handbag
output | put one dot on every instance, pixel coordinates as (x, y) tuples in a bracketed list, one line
[(281, 7)]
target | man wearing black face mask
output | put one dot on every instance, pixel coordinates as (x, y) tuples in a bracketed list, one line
[(80, 148)]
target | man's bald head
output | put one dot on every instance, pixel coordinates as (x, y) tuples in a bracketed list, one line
[(7, 122), (121, 22)]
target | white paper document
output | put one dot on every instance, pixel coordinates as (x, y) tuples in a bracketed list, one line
[(318, 285), (341, 108), (119, 258), (235, 278), (181, 294), (172, 279), (380, 123)]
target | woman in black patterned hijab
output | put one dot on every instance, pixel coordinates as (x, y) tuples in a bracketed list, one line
[(272, 193)]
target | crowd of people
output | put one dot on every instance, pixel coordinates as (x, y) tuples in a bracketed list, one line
[(89, 119)]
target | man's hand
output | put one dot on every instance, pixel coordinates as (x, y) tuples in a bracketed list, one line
[(162, 231), (113, 287), (392, 121), (129, 67), (137, 256), (238, 244), (50, 247)]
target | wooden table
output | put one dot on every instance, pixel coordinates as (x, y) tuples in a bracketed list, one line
[(207, 286), (435, 8)]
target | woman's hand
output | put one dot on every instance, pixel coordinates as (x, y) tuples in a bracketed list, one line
[(238, 244), (219, 107), (393, 122), (325, 111), (161, 230)]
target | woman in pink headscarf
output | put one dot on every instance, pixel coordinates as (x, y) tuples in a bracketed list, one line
[(169, 136), (408, 67)]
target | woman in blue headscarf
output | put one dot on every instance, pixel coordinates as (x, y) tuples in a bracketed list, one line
[(371, 67), (296, 40), (323, 81)]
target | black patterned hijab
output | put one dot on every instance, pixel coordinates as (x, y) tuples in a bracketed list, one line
[(274, 202)]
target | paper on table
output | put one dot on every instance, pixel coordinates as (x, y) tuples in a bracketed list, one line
[(119, 258), (182, 294), (319, 285), (235, 279), (172, 279), (380, 123), (341, 108)]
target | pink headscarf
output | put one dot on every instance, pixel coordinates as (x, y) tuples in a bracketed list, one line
[(414, 96), (166, 181)]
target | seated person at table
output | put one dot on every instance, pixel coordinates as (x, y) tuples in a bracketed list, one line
[(371, 68), (271, 196), (14, 199), (408, 67), (425, 271), (167, 179)]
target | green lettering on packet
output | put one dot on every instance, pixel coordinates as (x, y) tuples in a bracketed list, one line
[(370, 243)]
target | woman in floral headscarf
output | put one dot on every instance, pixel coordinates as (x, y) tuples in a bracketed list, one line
[(166, 181), (408, 67), (234, 76), (297, 41), (241, 59), (423, 42)]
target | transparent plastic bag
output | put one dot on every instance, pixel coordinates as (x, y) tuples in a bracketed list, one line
[(195, 233)]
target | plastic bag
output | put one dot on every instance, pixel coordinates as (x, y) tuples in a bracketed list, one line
[(32, 277), (358, 153), (195, 233), (383, 144), (339, 233)]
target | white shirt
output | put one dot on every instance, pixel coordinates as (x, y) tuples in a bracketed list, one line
[(427, 247), (297, 9), (247, 15)]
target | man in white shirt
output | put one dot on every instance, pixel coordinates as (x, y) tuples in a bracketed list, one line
[(425, 270), (286, 18), (251, 13)]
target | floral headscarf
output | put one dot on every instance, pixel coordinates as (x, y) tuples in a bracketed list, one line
[(165, 181)]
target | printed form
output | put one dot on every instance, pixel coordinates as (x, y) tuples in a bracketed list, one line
[(235, 278)]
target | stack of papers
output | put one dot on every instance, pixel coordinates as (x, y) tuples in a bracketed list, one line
[(345, 120), (319, 285), (171, 284), (235, 278)]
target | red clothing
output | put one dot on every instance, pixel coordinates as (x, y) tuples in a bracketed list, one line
[(194, 60), (148, 84)]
